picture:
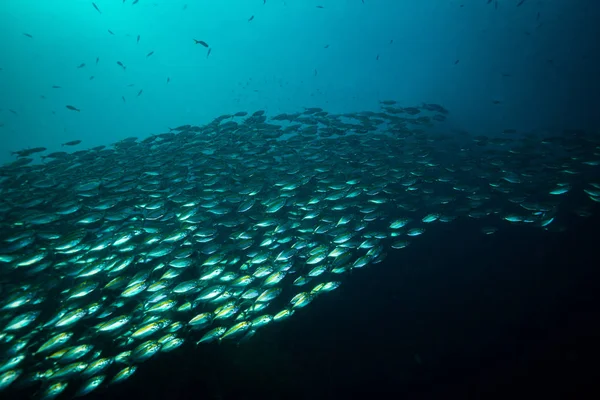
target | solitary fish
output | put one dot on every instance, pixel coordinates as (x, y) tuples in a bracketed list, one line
[(73, 108), (203, 43), (96, 7), (72, 142), (149, 54)]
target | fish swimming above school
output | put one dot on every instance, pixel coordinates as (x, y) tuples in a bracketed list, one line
[(113, 255)]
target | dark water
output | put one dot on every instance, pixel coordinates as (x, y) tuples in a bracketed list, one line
[(455, 315)]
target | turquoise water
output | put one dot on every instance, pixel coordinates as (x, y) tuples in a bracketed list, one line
[(158, 155), (278, 62)]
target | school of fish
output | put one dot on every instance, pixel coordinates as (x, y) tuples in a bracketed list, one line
[(111, 255)]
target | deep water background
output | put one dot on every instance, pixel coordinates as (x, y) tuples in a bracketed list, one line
[(456, 314), (270, 63)]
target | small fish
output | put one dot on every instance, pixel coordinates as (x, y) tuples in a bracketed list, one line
[(496, 102), (520, 3), (208, 53), (120, 64), (72, 142), (90, 385), (81, 65), (456, 62), (134, 2), (111, 32), (326, 46), (203, 43), (28, 35), (127, 371), (149, 54), (168, 79), (377, 58), (320, 7), (97, 60), (96, 7), (138, 39), (123, 98), (92, 78), (251, 18), (140, 92), (73, 108)]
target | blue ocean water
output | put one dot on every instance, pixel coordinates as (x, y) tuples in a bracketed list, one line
[(456, 314), (537, 59)]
